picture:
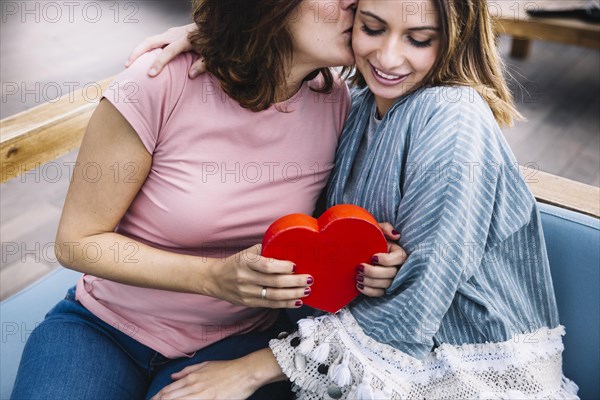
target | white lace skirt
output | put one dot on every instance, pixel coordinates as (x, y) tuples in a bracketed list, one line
[(331, 358)]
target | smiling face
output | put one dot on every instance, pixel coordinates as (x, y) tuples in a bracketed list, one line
[(321, 32), (395, 45)]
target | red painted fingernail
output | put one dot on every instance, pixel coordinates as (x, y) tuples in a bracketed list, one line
[(298, 303), (310, 280), (395, 232), (360, 268), (375, 259), (360, 278), (360, 286), (294, 269), (307, 291)]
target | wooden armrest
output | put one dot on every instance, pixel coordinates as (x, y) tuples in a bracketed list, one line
[(563, 192), (45, 132)]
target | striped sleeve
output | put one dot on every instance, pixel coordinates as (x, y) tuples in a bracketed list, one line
[(449, 190)]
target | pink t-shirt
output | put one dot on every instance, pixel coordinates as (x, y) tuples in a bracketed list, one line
[(220, 175)]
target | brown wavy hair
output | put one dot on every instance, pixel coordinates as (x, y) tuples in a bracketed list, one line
[(468, 56), (247, 46)]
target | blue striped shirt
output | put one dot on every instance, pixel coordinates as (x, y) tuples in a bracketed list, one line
[(440, 170)]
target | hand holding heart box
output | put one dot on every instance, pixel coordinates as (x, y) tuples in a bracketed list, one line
[(329, 249)]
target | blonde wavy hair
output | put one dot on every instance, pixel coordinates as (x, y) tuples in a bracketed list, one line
[(468, 56)]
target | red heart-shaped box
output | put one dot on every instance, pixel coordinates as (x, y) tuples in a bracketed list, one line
[(329, 249)]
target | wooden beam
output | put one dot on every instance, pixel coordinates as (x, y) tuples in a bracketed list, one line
[(583, 34), (520, 48), (47, 131)]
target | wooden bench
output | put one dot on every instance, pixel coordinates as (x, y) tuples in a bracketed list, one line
[(512, 19), (570, 217), (45, 132)]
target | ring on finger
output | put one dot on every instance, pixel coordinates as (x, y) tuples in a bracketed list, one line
[(263, 293)]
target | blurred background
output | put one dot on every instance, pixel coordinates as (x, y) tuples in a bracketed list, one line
[(49, 48)]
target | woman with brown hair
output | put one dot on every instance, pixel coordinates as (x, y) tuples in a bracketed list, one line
[(189, 175), (472, 312)]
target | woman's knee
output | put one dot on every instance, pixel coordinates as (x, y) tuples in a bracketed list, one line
[(67, 358)]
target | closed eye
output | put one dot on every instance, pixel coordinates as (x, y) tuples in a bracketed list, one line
[(418, 43), (371, 32)]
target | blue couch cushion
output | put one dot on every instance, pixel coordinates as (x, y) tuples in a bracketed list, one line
[(573, 243), (21, 313)]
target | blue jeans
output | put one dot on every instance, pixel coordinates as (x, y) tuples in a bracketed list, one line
[(73, 354)]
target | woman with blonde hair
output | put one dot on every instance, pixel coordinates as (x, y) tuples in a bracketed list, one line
[(472, 312)]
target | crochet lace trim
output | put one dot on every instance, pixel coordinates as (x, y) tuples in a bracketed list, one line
[(331, 357)]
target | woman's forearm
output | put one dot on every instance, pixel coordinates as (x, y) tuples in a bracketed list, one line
[(122, 259), (263, 367), (238, 279)]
